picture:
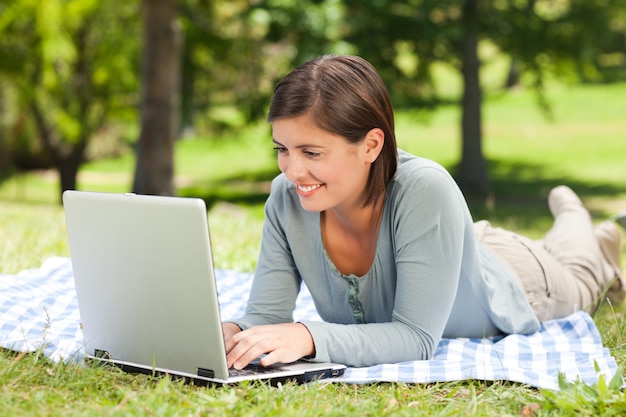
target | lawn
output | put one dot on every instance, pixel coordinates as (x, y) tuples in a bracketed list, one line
[(583, 145)]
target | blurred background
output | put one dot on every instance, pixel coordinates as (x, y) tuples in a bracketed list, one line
[(169, 97)]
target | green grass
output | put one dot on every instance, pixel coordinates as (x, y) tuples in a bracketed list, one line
[(32, 386), (583, 146)]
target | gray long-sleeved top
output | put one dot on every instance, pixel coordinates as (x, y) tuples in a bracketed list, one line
[(430, 277)]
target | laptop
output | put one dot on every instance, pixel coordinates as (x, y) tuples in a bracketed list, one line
[(146, 290)]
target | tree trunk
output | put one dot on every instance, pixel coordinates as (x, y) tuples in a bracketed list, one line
[(516, 65), (472, 175), (5, 152), (66, 157), (68, 172), (154, 171), (514, 74), (188, 72)]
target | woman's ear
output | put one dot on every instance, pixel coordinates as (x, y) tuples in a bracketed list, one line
[(374, 141)]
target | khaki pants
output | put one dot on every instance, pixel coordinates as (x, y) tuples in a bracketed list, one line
[(563, 273)]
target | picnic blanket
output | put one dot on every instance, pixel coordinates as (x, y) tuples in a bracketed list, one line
[(39, 311)]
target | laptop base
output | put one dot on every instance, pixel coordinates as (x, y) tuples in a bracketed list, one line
[(267, 379)]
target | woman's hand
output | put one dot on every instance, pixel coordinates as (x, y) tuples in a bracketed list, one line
[(286, 342), (229, 330)]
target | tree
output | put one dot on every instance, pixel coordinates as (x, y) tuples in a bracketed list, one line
[(69, 63), (224, 65), (154, 170), (424, 32), (579, 40), (472, 173), (405, 38), (235, 51)]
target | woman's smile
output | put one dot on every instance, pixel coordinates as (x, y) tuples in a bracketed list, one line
[(307, 190)]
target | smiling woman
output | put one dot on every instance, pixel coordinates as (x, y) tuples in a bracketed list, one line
[(386, 244), (319, 162), (346, 98)]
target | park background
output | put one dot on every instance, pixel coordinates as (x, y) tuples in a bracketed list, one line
[(169, 97)]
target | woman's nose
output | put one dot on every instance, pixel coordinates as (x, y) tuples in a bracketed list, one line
[(293, 167)]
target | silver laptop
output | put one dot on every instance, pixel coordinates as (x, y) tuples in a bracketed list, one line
[(147, 293)]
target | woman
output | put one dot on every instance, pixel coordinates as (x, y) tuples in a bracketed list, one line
[(386, 244)]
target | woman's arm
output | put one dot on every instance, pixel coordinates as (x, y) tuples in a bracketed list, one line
[(267, 326)]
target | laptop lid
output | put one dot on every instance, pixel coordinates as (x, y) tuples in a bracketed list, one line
[(146, 288), (144, 280)]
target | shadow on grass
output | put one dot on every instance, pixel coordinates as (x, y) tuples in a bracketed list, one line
[(520, 190), (518, 193)]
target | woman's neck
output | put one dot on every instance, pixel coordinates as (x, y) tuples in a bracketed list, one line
[(357, 221), (350, 238)]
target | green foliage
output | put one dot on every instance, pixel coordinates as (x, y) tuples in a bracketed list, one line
[(604, 398), (222, 65), (576, 39), (71, 67), (306, 29), (235, 51), (580, 40), (78, 59), (62, 50)]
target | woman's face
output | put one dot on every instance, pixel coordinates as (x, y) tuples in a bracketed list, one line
[(327, 171)]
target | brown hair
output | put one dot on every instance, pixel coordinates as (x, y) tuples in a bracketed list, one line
[(343, 95)]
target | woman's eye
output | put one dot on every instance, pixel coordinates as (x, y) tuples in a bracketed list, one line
[(280, 149), (312, 154)]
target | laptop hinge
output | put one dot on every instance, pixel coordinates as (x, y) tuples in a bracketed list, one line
[(206, 373), (101, 354)]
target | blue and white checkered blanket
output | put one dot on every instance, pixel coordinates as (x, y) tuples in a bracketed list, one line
[(38, 310)]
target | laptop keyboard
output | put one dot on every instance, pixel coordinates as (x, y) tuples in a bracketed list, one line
[(253, 369)]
